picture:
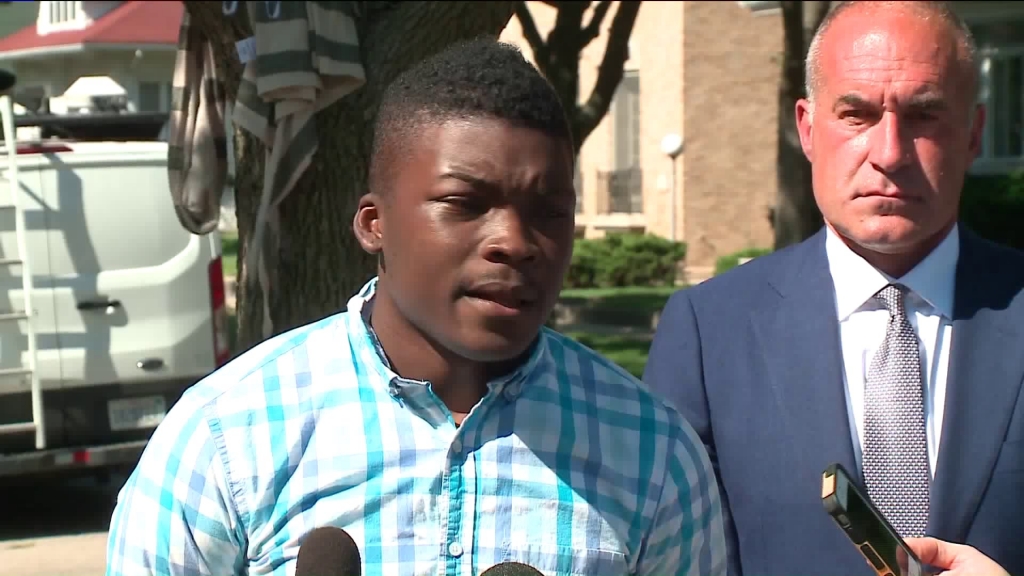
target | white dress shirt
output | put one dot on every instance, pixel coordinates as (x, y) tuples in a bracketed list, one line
[(862, 325)]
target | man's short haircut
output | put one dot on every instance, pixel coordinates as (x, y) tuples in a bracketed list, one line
[(929, 10), (480, 78)]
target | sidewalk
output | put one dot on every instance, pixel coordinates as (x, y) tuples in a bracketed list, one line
[(230, 292)]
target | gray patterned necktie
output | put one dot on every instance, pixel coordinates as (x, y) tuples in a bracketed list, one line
[(895, 458)]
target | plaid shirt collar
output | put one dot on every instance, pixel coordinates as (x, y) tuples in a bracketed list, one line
[(360, 331)]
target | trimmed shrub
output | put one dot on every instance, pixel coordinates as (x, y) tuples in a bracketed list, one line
[(625, 259), (730, 261)]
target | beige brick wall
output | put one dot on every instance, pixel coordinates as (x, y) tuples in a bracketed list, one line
[(708, 71), (732, 70), (656, 50)]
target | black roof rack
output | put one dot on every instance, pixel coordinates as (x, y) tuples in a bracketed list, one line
[(96, 127)]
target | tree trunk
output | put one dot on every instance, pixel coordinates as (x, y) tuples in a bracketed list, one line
[(320, 264), (796, 216), (558, 57)]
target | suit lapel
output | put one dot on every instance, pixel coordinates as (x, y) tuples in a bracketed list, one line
[(985, 374), (800, 342)]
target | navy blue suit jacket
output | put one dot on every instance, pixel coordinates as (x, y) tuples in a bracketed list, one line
[(752, 358)]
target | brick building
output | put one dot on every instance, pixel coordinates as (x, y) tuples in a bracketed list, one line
[(709, 71)]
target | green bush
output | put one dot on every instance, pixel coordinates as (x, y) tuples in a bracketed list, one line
[(730, 261), (993, 206), (624, 259)]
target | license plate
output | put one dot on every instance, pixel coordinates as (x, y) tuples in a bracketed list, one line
[(136, 413)]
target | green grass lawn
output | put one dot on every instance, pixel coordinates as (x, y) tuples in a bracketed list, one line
[(229, 253), (626, 350), (640, 299)]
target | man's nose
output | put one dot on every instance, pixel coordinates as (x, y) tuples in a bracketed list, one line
[(510, 240), (891, 146)]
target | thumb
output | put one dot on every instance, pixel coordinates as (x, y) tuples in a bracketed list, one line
[(934, 552)]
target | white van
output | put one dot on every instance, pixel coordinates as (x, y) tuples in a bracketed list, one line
[(128, 307)]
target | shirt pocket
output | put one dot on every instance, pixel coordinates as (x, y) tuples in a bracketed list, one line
[(553, 560)]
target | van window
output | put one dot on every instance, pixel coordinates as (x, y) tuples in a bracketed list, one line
[(108, 214)]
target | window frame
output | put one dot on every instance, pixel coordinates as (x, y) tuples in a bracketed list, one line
[(981, 14)]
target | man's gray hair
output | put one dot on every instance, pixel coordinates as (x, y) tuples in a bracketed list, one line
[(967, 53)]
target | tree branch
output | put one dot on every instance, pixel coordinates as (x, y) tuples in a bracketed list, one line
[(532, 35), (793, 49), (820, 11), (593, 28), (609, 74)]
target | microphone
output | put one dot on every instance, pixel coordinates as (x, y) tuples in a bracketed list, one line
[(7, 80), (510, 569), (328, 551)]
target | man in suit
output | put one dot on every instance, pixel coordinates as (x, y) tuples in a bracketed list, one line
[(891, 342)]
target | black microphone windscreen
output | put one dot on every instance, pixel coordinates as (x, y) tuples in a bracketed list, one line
[(511, 569), (7, 80), (328, 551)]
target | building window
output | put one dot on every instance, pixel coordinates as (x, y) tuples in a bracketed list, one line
[(1001, 59), (168, 96), (149, 96), (62, 12), (623, 185)]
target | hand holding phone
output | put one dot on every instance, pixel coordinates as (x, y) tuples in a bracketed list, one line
[(954, 559), (865, 526)]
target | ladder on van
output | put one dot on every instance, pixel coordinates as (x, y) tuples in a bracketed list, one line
[(8, 261)]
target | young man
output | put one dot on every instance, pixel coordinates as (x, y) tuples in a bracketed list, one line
[(435, 420)]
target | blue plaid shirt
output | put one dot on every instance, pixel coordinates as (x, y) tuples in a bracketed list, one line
[(569, 465)]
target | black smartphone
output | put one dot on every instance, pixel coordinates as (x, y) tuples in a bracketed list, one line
[(865, 526)]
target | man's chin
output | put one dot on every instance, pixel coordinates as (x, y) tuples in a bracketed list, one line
[(491, 347), (889, 235)]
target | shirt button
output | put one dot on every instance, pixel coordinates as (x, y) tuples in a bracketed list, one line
[(512, 392), (455, 549)]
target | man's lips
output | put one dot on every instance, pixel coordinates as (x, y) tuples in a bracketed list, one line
[(890, 195), (513, 296)]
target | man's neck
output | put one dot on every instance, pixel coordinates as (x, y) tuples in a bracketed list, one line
[(898, 264), (459, 382)]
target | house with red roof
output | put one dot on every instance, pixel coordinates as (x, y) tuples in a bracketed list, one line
[(102, 45)]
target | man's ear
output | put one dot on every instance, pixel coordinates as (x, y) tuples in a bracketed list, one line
[(367, 225), (977, 131), (804, 123)]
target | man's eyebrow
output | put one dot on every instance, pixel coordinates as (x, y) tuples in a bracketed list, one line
[(852, 101), (927, 101), (923, 101), (466, 177)]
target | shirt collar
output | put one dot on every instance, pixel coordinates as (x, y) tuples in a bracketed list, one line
[(368, 350), (856, 281)]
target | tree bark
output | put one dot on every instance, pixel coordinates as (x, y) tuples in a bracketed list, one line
[(796, 216), (558, 57), (320, 264)]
